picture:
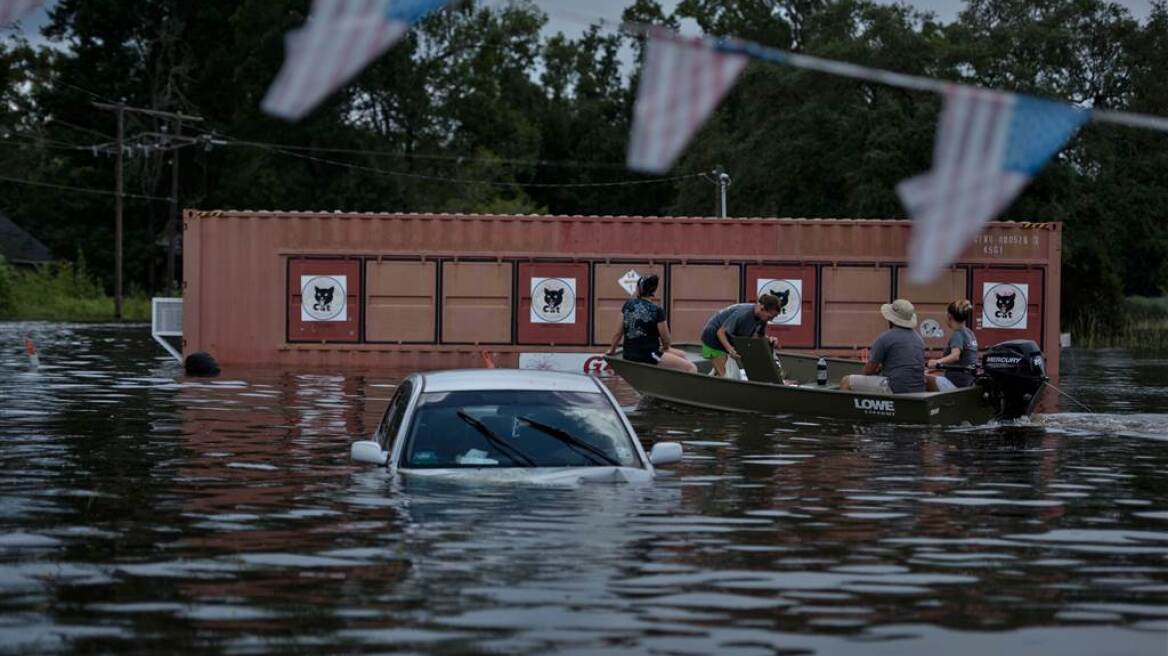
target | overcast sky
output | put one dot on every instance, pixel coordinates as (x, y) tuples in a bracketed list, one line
[(565, 15), (573, 16)]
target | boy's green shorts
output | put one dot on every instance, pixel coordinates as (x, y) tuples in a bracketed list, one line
[(711, 353)]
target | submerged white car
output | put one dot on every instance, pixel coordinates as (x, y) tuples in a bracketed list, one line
[(510, 425)]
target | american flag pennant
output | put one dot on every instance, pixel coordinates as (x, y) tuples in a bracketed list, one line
[(989, 146), (13, 10), (681, 83), (339, 40)]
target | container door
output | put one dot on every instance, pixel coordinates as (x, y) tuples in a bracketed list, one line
[(932, 301), (852, 296), (400, 298), (324, 300), (696, 291), (553, 303), (795, 287), (613, 283), (476, 302), (1007, 305)]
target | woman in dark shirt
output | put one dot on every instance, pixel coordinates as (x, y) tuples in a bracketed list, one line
[(645, 331), (962, 347)]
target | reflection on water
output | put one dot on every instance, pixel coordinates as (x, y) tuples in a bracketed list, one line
[(144, 510)]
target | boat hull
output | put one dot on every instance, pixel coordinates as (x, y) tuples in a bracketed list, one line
[(963, 406)]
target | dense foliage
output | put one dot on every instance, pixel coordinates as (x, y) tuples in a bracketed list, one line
[(478, 93), (64, 291)]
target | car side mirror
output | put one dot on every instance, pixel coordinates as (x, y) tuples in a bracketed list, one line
[(665, 453), (368, 452)]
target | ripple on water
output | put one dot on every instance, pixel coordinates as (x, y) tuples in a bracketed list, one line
[(143, 510)]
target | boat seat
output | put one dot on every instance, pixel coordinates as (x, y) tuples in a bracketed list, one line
[(758, 359)]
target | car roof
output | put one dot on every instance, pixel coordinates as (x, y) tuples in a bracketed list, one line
[(460, 380)]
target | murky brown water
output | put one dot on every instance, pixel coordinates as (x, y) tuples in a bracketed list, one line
[(144, 511)]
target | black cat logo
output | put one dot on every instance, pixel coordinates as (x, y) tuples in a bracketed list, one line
[(552, 300), (323, 298), (784, 299), (1005, 305)]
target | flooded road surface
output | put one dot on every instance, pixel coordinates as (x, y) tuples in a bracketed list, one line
[(140, 510)]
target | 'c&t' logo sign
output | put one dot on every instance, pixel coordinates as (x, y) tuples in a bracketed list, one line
[(322, 298), (553, 300)]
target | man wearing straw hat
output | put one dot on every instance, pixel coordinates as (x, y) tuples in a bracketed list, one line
[(896, 362)]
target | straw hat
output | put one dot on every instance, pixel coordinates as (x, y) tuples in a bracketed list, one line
[(900, 312)]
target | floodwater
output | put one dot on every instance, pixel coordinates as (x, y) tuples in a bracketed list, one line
[(143, 511)]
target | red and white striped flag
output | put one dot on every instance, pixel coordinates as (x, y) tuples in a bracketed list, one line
[(989, 146), (339, 40), (681, 83), (13, 10)]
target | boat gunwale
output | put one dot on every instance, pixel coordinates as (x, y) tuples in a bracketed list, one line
[(922, 397)]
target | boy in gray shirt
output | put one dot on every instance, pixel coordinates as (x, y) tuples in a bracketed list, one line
[(897, 355), (739, 320)]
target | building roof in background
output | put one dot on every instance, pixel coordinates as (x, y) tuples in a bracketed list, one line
[(19, 247)]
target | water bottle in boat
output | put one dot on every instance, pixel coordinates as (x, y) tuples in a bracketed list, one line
[(821, 371)]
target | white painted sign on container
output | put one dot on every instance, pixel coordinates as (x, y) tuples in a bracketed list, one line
[(1003, 305), (790, 293), (577, 363), (323, 297), (931, 329), (629, 281), (553, 300)]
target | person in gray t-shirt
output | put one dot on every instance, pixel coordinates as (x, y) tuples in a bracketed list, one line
[(897, 355), (962, 347), (739, 320)]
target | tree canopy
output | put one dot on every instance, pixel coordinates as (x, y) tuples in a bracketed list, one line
[(478, 109)]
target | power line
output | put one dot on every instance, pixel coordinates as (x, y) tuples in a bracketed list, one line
[(31, 140), (492, 183), (566, 163), (54, 120), (428, 156), (84, 190), (87, 91)]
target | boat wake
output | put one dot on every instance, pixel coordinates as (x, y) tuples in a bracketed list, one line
[(1150, 426)]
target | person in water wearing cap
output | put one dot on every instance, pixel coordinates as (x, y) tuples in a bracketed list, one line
[(896, 361), (739, 320), (645, 332)]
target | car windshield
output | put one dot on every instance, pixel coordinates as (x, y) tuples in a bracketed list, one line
[(517, 429)]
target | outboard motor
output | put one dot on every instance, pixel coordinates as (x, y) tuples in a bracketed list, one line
[(1013, 374)]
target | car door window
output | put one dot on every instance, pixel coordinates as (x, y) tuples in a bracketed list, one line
[(391, 422)]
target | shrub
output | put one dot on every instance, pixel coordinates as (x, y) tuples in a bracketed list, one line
[(7, 303)]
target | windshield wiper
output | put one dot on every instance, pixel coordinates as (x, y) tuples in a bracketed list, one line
[(501, 445), (580, 446)]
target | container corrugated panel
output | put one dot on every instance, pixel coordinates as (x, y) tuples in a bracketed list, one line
[(696, 292), (609, 296), (932, 300), (799, 240), (400, 301), (476, 302), (795, 285), (852, 296)]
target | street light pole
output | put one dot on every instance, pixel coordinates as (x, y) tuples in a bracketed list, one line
[(723, 181), (172, 221)]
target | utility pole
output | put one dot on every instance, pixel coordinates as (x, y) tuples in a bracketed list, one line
[(172, 221), (178, 117), (118, 217)]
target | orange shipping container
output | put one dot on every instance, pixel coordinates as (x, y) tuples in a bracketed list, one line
[(432, 290)]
